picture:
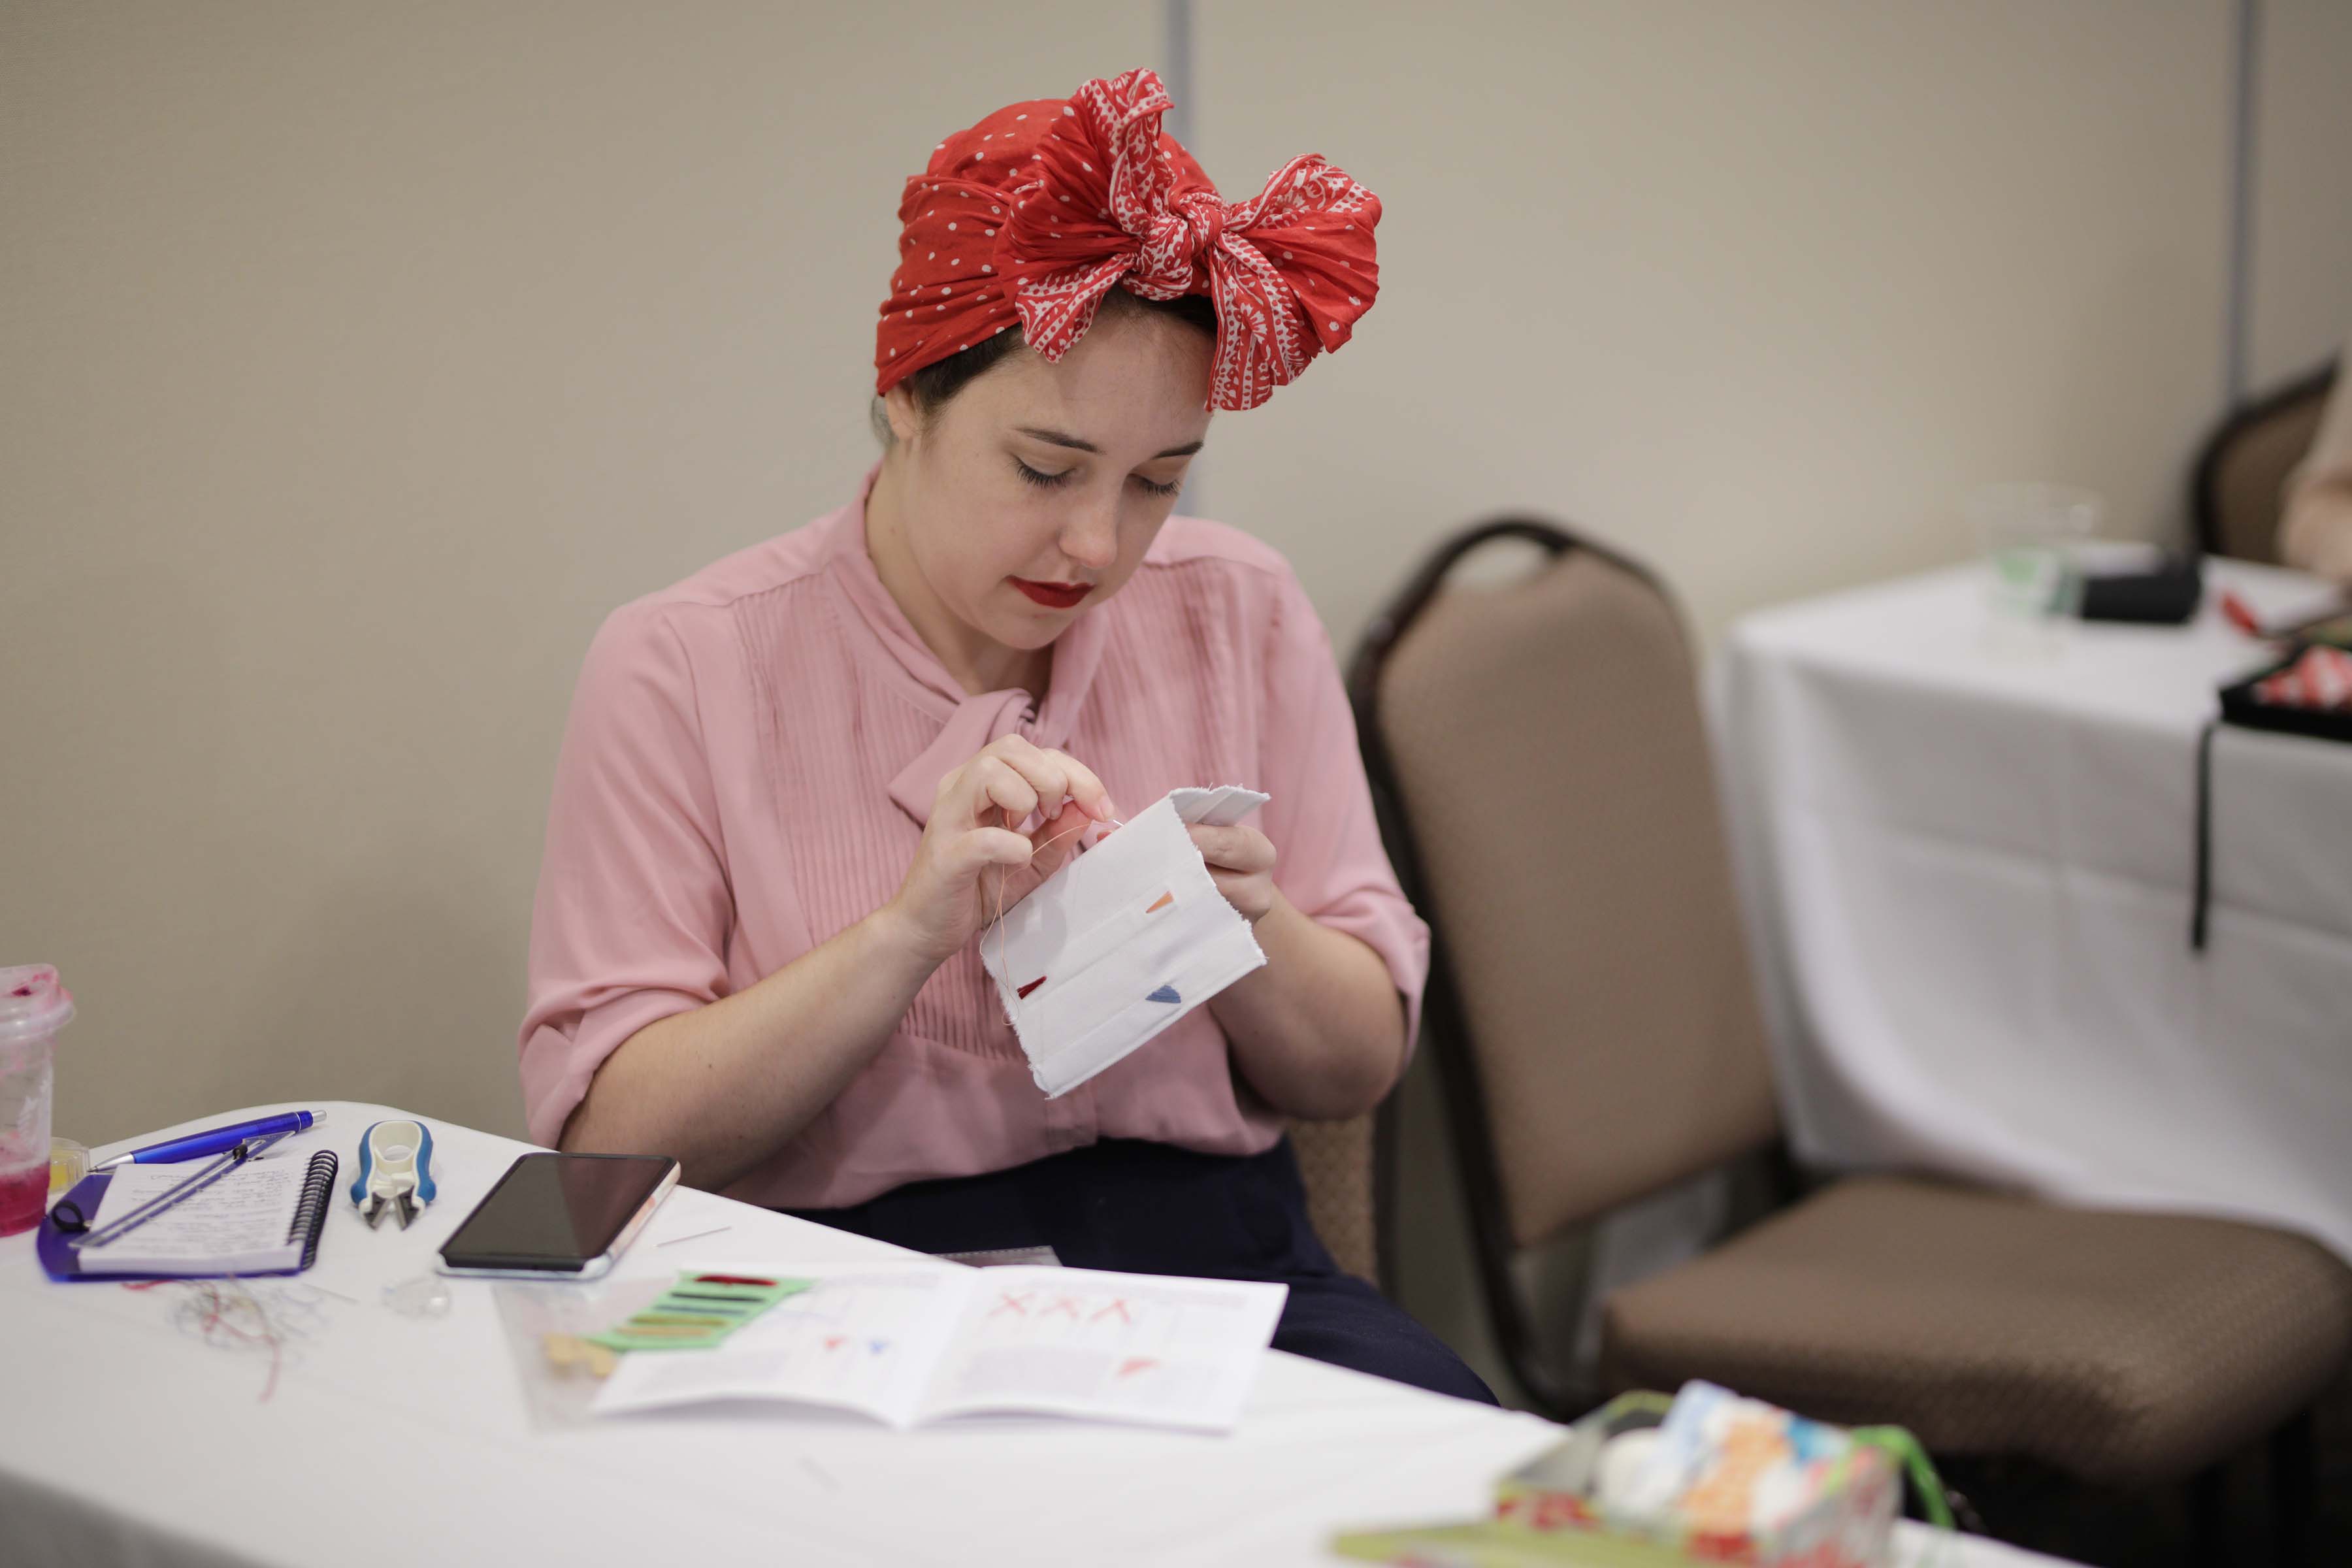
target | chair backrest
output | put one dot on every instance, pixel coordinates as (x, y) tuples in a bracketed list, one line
[(2236, 494), (1336, 1161), (1549, 794)]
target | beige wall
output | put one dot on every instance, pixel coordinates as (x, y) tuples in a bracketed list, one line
[(1755, 290), (2302, 295), (359, 358)]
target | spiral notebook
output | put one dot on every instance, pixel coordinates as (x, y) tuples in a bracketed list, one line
[(262, 1217)]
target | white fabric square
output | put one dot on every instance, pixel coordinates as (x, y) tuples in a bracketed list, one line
[(1122, 941)]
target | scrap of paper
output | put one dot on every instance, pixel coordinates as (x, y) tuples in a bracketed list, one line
[(1219, 807)]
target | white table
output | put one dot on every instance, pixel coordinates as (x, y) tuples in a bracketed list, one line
[(400, 1441), (1969, 867)]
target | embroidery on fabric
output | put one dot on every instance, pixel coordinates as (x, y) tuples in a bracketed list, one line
[(1121, 942)]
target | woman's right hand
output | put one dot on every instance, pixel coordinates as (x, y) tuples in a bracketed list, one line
[(971, 866)]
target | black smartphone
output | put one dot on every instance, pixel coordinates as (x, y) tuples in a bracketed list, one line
[(559, 1217)]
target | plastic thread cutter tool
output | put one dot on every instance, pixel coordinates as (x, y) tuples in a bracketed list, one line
[(395, 1171)]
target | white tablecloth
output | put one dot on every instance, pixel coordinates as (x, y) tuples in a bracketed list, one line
[(396, 1441), (1969, 867)]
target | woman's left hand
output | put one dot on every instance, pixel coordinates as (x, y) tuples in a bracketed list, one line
[(1242, 861)]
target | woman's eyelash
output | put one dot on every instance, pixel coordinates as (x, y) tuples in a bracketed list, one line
[(1043, 481), (1046, 481)]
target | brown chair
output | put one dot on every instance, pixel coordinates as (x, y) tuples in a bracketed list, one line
[(1545, 783), (1336, 1161), (2236, 493)]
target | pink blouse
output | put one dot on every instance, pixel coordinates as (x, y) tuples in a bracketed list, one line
[(750, 761)]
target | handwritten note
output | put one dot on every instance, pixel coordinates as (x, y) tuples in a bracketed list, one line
[(240, 1224)]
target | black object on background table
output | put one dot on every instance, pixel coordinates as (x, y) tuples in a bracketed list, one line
[(2243, 703), (2165, 595)]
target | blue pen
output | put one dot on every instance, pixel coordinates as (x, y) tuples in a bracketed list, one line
[(218, 1140)]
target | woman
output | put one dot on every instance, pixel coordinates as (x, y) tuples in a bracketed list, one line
[(2316, 533), (796, 786)]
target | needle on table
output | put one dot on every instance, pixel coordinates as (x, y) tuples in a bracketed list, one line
[(697, 1236)]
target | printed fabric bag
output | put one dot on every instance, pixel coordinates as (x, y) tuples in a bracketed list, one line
[(1706, 1477)]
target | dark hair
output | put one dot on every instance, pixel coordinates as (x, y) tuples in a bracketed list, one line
[(936, 384)]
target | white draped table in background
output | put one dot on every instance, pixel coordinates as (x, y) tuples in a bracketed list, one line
[(1969, 866)]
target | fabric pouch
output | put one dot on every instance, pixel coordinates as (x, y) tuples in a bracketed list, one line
[(1706, 1477), (1121, 943)]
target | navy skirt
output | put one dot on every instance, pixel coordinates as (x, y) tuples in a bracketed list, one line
[(1150, 1208)]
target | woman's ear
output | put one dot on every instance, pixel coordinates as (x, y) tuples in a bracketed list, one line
[(905, 419)]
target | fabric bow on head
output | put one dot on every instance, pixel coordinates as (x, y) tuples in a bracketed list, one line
[(1035, 213)]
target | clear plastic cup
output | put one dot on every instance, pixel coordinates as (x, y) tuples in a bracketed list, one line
[(2033, 534), (33, 1008)]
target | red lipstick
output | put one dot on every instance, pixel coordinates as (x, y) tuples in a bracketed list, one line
[(1053, 596)]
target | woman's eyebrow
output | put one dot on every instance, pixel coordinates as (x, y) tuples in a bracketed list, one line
[(1080, 444)]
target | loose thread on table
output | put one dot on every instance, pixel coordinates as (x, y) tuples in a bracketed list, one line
[(212, 1310)]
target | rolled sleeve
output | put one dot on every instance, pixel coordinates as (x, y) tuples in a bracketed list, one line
[(633, 913), (1329, 860)]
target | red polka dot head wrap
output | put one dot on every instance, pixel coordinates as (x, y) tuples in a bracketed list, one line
[(1032, 216)]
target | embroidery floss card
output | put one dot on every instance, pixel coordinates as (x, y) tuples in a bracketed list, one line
[(1121, 943)]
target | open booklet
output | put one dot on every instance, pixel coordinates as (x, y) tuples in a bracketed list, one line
[(918, 1342)]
